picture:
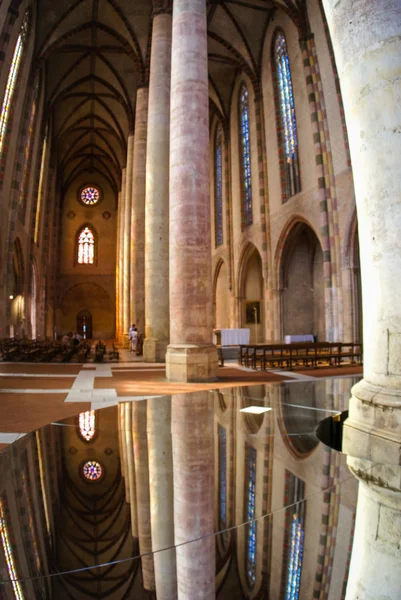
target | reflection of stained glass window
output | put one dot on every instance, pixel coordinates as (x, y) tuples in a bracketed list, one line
[(87, 425), (92, 470), (86, 247), (288, 120), (90, 195), (8, 555), (245, 152), (294, 535), (12, 80), (43, 486), (223, 476), (219, 187), (250, 514)]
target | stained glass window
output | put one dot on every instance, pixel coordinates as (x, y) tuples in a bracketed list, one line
[(294, 535), (218, 187), (87, 425), (86, 247), (12, 80), (27, 152), (40, 188), (8, 555), (250, 471), (245, 153), (90, 195), (287, 112), (223, 477), (92, 470)]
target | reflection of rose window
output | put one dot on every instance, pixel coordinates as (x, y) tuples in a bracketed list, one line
[(90, 195), (92, 470)]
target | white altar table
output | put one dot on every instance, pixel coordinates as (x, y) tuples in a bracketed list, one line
[(231, 337), (289, 339)]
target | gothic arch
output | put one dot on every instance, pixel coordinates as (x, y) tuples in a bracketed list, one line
[(251, 292), (221, 298)]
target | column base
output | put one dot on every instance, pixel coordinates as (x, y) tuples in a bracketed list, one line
[(191, 362), (154, 350), (373, 429)]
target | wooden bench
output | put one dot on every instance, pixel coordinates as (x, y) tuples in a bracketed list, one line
[(114, 354)]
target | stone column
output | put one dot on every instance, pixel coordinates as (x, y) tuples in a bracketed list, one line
[(192, 424), (142, 492), (191, 356), (120, 258), (161, 496), (157, 193), (127, 235), (130, 466), (138, 212), (367, 44)]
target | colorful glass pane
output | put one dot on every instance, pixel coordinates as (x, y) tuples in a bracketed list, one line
[(90, 195), (12, 80), (219, 188), (294, 535), (27, 149), (295, 559), (92, 470), (250, 516), (245, 157), (223, 476), (8, 555), (87, 425), (40, 188), (86, 247), (286, 98)]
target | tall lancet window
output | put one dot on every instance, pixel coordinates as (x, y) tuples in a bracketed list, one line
[(287, 131), (86, 247), (8, 554), (27, 156), (250, 473), (218, 170), (245, 158), (6, 108), (293, 536), (87, 425)]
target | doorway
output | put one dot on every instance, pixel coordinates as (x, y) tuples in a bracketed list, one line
[(84, 324)]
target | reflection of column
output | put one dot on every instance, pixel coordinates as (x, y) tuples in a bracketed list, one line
[(130, 466), (127, 234), (191, 355), (192, 420), (157, 193), (367, 43), (161, 495), (142, 491), (138, 212)]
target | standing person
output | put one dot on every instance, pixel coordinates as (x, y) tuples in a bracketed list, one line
[(131, 336)]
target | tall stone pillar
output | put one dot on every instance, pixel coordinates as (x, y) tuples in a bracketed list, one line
[(142, 492), (157, 193), (120, 258), (191, 356), (127, 235), (138, 212), (161, 496), (367, 44), (192, 437)]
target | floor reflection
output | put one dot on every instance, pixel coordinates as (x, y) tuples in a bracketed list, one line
[(182, 496)]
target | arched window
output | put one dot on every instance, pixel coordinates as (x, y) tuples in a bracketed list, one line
[(293, 536), (245, 158), (12, 80), (41, 188), (287, 126), (87, 425), (86, 246), (8, 554), (27, 152), (250, 553), (218, 178)]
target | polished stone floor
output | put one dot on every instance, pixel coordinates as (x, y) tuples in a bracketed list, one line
[(222, 493)]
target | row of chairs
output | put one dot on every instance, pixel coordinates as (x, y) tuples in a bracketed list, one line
[(310, 354)]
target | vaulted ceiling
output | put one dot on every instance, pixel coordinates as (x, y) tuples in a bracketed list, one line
[(96, 53)]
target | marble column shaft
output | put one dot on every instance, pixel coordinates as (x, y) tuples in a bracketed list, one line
[(192, 424), (120, 307), (191, 355), (366, 39), (138, 212), (162, 496), (142, 492), (130, 466), (157, 193), (127, 235)]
